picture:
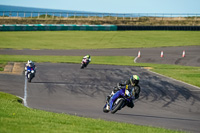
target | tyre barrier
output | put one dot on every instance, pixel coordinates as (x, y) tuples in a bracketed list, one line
[(60, 27), (184, 28), (56, 27)]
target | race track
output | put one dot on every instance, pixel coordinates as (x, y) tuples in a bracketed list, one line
[(63, 87), (172, 55)]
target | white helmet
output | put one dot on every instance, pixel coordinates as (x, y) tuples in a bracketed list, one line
[(29, 62)]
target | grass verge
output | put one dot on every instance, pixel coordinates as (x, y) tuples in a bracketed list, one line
[(17, 118), (186, 74), (96, 39)]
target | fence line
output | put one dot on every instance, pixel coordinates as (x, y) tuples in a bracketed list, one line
[(82, 15)]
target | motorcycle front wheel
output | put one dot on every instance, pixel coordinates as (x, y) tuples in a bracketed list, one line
[(104, 109), (117, 106)]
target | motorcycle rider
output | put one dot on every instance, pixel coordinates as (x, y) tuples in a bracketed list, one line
[(88, 58), (31, 65), (131, 84)]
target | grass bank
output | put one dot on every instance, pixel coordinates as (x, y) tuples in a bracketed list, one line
[(17, 118), (96, 39), (186, 74)]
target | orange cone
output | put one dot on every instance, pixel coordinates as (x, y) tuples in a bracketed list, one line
[(138, 54), (161, 54), (183, 55)]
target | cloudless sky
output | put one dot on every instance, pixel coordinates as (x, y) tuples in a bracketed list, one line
[(113, 6)]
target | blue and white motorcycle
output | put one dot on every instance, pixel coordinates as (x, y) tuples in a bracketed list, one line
[(30, 73), (119, 100)]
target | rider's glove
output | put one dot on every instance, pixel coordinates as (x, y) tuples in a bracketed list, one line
[(119, 85)]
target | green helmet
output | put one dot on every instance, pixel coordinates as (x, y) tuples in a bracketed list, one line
[(134, 80), (88, 56)]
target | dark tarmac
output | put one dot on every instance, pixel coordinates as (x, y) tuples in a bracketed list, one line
[(172, 55), (65, 88)]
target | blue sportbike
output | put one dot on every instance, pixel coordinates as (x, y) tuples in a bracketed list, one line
[(120, 99), (30, 73)]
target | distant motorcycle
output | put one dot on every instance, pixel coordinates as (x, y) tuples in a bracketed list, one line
[(30, 73), (121, 98), (84, 63)]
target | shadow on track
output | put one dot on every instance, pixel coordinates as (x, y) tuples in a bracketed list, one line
[(90, 90), (157, 117), (157, 89)]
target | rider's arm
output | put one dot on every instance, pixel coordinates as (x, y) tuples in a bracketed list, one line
[(127, 82), (26, 67), (137, 91)]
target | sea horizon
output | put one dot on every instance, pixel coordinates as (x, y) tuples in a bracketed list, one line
[(13, 11)]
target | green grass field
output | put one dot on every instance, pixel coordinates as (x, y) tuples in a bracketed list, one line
[(97, 39)]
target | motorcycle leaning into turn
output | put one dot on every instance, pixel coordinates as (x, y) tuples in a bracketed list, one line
[(84, 63), (123, 97)]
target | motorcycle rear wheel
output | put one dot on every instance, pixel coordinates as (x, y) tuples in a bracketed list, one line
[(29, 79), (82, 66)]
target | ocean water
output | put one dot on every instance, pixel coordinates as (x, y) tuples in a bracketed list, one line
[(17, 11), (14, 11), (31, 9)]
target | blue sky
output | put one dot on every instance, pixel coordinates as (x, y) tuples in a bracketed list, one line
[(113, 6)]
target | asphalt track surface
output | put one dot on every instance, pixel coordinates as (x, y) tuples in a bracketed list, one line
[(65, 88), (172, 55)]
